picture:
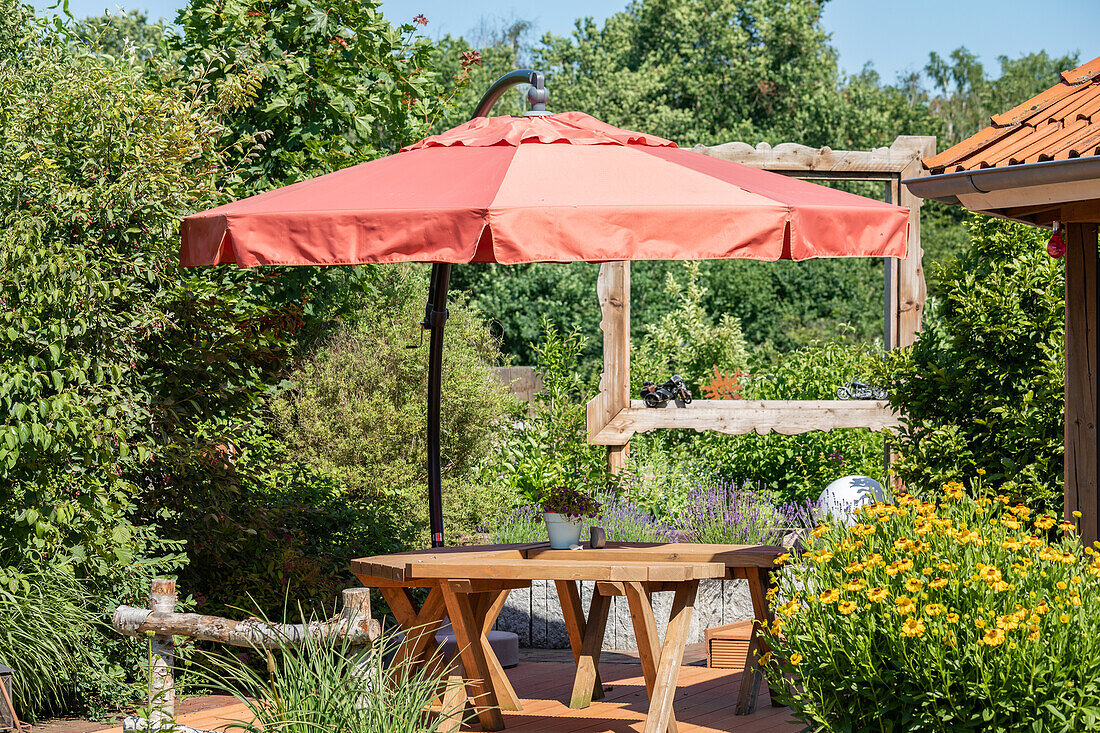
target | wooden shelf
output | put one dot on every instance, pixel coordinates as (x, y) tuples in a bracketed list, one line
[(738, 417)]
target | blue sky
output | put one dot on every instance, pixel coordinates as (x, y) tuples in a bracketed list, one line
[(896, 35)]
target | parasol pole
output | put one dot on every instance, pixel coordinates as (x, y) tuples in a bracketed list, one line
[(435, 312)]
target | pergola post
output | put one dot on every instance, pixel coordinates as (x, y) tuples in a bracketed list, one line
[(1082, 452)]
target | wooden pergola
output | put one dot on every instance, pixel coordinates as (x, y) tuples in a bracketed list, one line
[(1039, 163), (613, 417)]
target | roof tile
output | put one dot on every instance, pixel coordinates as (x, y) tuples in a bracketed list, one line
[(1061, 122)]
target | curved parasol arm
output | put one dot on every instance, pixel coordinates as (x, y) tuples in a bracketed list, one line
[(435, 313)]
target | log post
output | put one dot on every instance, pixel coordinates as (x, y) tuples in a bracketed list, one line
[(162, 657), (1082, 396)]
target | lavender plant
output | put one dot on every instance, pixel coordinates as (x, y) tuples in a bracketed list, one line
[(727, 513), (622, 521)]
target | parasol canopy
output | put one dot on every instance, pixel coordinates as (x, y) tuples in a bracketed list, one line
[(537, 188), (553, 188)]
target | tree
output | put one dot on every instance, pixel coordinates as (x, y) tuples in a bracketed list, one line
[(702, 71), (333, 83), (967, 96), (120, 34)]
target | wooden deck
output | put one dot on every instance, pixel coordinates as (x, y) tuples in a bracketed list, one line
[(705, 700)]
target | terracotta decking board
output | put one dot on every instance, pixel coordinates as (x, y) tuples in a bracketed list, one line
[(705, 701)]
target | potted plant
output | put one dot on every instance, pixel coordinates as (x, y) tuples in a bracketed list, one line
[(564, 510)]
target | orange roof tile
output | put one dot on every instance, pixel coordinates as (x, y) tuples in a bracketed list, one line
[(1062, 122)]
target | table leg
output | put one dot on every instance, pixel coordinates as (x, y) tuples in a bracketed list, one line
[(420, 625), (660, 715), (645, 633), (759, 579), (588, 662), (570, 598), (485, 615), (452, 710), (468, 638)]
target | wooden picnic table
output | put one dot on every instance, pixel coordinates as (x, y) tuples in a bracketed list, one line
[(471, 584)]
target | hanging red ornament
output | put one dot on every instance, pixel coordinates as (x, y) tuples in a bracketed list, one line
[(1056, 247)]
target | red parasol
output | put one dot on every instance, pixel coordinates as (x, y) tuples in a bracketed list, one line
[(559, 188), (538, 188)]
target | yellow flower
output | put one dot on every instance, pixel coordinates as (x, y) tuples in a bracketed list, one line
[(796, 659), (1033, 633), (873, 560), (1000, 586), (980, 471), (1066, 526), (830, 596), (912, 627), (1075, 579), (905, 605), (766, 659), (856, 585), (1044, 522), (1077, 514), (777, 627), (980, 623), (822, 557), (913, 585), (854, 567), (782, 558), (988, 573), (847, 607), (952, 618), (820, 530), (938, 583), (993, 637), (903, 544), (1042, 608), (790, 608), (934, 609), (1061, 585), (1064, 618), (1013, 545), (876, 594)]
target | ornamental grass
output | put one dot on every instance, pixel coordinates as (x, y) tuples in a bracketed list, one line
[(964, 614)]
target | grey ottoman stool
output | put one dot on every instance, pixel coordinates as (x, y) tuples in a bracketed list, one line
[(505, 645)]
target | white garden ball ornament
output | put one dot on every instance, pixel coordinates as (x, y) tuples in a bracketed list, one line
[(842, 496)]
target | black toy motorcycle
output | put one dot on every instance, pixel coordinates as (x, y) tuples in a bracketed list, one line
[(659, 395), (856, 390)]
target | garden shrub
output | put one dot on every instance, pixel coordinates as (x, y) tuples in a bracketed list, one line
[(101, 368), (983, 385), (688, 341), (549, 448), (354, 411), (963, 615)]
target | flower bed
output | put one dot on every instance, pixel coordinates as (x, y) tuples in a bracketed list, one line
[(967, 614)]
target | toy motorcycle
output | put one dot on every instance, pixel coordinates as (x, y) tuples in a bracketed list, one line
[(859, 391), (659, 395)]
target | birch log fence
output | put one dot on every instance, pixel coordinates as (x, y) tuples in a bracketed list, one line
[(353, 624)]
